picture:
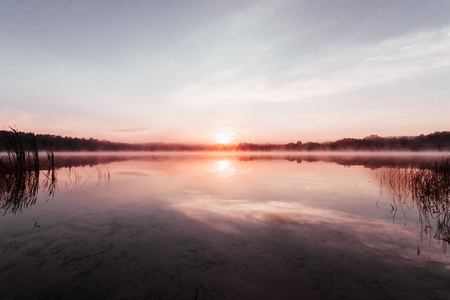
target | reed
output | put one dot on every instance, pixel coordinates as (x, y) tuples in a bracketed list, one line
[(48, 147), (22, 152), (19, 170), (429, 188)]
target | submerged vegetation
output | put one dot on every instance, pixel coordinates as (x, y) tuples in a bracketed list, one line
[(428, 187)]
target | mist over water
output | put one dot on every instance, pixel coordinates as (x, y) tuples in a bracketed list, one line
[(224, 225)]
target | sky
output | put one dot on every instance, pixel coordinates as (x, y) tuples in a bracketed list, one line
[(225, 71)]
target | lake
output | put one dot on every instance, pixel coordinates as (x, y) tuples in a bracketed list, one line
[(223, 226)]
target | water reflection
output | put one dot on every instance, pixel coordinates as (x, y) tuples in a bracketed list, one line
[(423, 188), (368, 160), (18, 190), (229, 226), (224, 169)]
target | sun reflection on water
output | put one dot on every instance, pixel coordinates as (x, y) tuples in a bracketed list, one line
[(224, 168)]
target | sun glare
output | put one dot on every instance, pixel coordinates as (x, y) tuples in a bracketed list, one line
[(224, 169), (222, 165), (223, 138), (224, 134)]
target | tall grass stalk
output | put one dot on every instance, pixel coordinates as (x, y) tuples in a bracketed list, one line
[(19, 170), (429, 188)]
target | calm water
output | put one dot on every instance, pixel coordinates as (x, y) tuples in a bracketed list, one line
[(223, 226)]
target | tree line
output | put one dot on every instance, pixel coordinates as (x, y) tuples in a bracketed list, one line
[(437, 141)]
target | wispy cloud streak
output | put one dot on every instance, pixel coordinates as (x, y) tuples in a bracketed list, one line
[(338, 71), (131, 130)]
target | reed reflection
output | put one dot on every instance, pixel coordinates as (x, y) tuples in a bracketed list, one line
[(18, 190)]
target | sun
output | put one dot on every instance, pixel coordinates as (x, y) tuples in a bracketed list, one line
[(224, 134), (223, 137)]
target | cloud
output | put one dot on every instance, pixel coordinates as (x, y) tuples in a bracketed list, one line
[(130, 130), (337, 71), (158, 70)]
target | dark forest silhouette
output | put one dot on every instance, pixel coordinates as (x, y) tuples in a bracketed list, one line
[(437, 141)]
